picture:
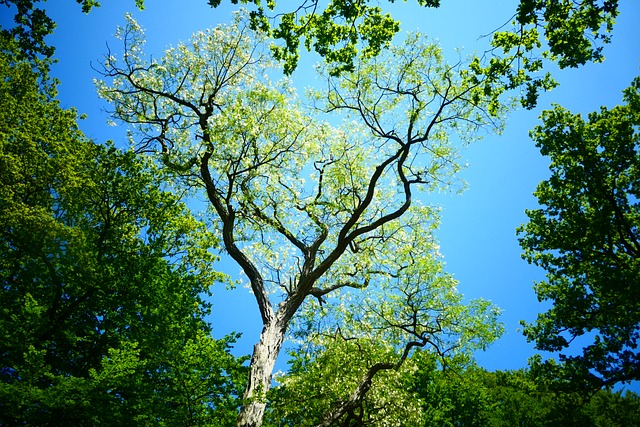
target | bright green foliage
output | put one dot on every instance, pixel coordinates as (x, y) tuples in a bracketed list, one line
[(568, 32), (586, 237), (314, 212), (335, 33), (321, 380), (366, 339), (102, 276)]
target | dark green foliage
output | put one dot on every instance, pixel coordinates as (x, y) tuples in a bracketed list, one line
[(586, 237), (102, 278), (32, 25)]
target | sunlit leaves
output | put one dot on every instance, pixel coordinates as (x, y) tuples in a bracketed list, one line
[(399, 299), (319, 382), (337, 33), (400, 294), (572, 29), (568, 32)]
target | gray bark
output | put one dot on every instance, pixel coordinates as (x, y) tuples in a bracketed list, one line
[(265, 353)]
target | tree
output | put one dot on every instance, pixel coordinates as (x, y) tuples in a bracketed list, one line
[(354, 362), (304, 208), (586, 237), (102, 278), (467, 395), (363, 373), (474, 396)]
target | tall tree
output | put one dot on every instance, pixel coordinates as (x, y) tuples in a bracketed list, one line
[(586, 237), (304, 208), (102, 278)]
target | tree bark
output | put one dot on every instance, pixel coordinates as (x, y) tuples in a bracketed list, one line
[(265, 353)]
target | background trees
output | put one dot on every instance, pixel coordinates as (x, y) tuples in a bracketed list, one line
[(422, 393), (586, 237), (103, 275)]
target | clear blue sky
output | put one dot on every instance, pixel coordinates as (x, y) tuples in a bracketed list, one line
[(478, 227)]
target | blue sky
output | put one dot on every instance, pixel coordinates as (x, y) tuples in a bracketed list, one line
[(477, 235)]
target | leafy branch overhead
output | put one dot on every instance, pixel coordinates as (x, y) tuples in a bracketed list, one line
[(568, 32), (33, 25)]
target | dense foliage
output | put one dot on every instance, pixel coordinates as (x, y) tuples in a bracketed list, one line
[(102, 275), (473, 397), (586, 237)]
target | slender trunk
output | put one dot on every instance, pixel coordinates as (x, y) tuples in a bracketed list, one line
[(265, 353)]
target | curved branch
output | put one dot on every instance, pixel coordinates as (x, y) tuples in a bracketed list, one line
[(227, 216)]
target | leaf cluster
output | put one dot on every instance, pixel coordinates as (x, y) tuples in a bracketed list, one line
[(33, 25)]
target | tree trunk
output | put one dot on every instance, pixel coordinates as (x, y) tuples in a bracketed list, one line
[(265, 353)]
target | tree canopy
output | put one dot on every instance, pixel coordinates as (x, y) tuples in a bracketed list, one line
[(567, 32), (586, 237), (572, 29), (308, 210)]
